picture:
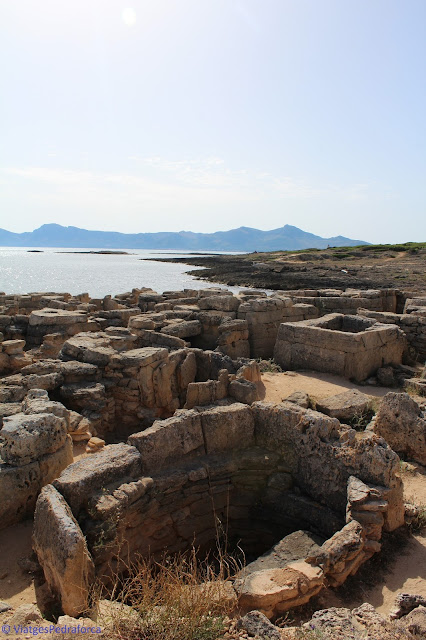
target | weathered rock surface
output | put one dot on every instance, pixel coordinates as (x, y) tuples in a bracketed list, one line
[(298, 545), (28, 437), (62, 551), (345, 406), (402, 423), (277, 590), (257, 624), (114, 462)]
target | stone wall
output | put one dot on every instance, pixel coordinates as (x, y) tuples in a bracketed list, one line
[(245, 325), (412, 324), (344, 345), (348, 301), (264, 316), (227, 471)]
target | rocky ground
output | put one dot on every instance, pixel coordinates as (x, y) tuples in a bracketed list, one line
[(373, 266)]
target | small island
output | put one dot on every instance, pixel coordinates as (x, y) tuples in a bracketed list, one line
[(101, 253)]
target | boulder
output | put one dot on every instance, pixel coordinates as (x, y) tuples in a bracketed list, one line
[(243, 391), (257, 624), (300, 398), (277, 590), (345, 406)]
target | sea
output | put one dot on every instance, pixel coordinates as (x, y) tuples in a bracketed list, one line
[(59, 270)]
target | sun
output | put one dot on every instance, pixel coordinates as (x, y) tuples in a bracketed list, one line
[(129, 16)]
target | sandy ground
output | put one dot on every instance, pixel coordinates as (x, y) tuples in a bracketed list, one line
[(79, 450), (406, 574), (16, 585), (277, 386)]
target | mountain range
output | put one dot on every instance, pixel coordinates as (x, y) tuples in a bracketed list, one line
[(242, 239)]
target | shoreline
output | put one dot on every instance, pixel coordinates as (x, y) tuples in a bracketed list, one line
[(336, 268)]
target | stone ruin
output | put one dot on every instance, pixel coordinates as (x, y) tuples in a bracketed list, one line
[(260, 472), (168, 382), (350, 346)]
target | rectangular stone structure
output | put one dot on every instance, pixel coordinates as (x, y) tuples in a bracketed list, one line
[(349, 346)]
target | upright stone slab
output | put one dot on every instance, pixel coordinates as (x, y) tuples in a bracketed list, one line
[(62, 551)]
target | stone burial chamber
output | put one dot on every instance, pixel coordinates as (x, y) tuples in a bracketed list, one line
[(313, 492), (350, 346), (108, 392)]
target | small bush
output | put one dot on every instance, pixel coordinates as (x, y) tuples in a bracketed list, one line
[(269, 366)]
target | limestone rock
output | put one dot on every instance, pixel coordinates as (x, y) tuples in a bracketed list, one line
[(299, 397), (79, 481), (81, 396), (62, 551), (257, 624), (386, 377), (415, 622), (292, 548), (13, 347), (275, 590), (25, 615), (28, 437), (335, 623), (227, 427), (243, 391), (168, 441), (94, 445), (341, 554), (345, 406), (67, 627), (406, 602), (402, 423)]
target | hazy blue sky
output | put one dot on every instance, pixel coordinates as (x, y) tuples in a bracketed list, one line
[(151, 115)]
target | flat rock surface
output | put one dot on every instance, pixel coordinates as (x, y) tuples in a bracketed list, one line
[(114, 462), (296, 546), (346, 405)]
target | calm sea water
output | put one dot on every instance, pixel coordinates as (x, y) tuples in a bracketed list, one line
[(22, 271)]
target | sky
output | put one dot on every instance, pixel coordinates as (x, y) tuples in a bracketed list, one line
[(207, 115)]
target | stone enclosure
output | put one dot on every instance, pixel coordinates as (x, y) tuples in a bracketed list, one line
[(253, 474), (350, 346)]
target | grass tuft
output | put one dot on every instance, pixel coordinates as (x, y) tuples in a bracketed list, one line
[(175, 598)]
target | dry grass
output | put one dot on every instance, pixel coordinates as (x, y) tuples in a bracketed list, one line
[(175, 598)]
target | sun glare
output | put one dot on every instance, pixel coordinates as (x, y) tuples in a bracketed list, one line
[(129, 16)]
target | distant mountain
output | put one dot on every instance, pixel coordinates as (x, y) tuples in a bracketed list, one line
[(242, 239)]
